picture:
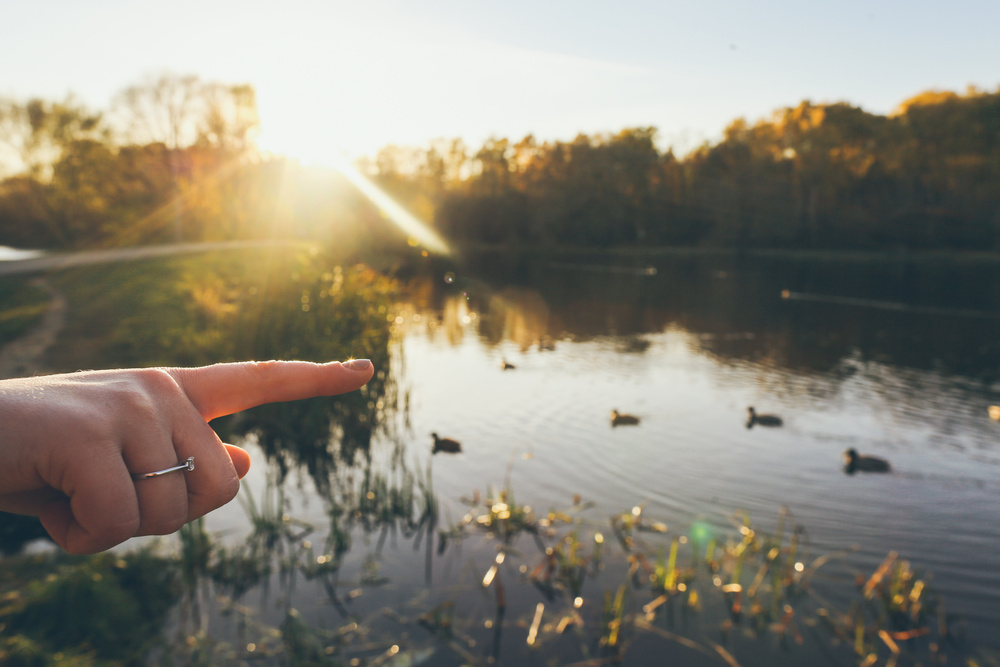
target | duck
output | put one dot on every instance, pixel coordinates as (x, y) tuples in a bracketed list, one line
[(854, 462), (545, 344), (445, 445), (635, 344), (621, 419), (763, 420), (506, 365)]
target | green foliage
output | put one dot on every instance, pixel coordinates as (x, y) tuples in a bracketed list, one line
[(54, 613), (278, 303), (811, 176)]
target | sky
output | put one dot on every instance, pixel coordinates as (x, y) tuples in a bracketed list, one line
[(353, 76)]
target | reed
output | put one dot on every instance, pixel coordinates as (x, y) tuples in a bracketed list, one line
[(553, 583)]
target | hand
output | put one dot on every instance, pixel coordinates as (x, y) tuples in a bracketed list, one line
[(71, 443)]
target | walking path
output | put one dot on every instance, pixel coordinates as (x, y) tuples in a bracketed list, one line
[(22, 357), (82, 258)]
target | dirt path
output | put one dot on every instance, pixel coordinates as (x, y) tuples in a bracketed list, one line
[(23, 357), (67, 260)]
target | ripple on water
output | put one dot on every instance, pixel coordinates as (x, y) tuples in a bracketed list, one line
[(692, 456)]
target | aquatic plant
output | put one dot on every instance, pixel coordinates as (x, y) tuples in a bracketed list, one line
[(554, 589)]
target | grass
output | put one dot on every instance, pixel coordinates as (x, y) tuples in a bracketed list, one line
[(50, 616), (23, 303), (274, 303)]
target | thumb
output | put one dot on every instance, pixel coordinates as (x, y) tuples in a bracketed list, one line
[(240, 459)]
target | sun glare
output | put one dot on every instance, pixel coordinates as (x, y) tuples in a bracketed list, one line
[(308, 151), (418, 231)]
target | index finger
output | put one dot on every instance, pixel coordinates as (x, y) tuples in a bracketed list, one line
[(223, 389)]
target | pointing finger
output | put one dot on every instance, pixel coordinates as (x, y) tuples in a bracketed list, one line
[(223, 389)]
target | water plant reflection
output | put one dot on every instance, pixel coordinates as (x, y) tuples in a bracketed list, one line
[(693, 589)]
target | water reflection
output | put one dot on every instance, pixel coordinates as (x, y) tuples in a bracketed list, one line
[(691, 345), (945, 319)]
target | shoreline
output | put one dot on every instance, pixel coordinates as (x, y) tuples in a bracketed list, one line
[(948, 255)]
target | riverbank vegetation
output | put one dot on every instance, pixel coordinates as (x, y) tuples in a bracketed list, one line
[(175, 159), (555, 585)]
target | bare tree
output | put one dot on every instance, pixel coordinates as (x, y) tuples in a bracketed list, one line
[(230, 118), (167, 109), (181, 111)]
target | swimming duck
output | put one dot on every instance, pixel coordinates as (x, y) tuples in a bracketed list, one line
[(545, 344), (621, 419), (506, 365), (445, 445), (854, 462), (763, 420)]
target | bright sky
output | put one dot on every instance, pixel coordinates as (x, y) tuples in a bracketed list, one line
[(356, 75)]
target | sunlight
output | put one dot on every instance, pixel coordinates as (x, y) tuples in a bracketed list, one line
[(297, 139), (418, 232)]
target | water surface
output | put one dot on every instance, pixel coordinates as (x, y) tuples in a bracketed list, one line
[(894, 358), (904, 368)]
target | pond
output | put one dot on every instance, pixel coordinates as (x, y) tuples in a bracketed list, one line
[(401, 556), (893, 358)]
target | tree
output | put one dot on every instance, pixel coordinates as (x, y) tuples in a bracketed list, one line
[(34, 134), (230, 121), (167, 109)]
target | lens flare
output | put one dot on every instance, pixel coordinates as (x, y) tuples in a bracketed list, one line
[(403, 219), (701, 532)]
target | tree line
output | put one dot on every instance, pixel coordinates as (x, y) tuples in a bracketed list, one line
[(174, 158), (810, 176)]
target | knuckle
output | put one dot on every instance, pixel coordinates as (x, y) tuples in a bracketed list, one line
[(158, 382), (140, 396)]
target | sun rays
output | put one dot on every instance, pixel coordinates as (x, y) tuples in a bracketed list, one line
[(418, 232)]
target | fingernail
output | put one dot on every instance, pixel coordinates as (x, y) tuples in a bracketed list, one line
[(357, 364)]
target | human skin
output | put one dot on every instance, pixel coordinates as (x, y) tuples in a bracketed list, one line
[(71, 442)]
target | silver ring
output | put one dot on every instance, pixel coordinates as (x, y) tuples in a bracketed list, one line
[(184, 465)]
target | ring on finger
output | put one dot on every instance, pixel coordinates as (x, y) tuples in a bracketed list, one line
[(185, 465)]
